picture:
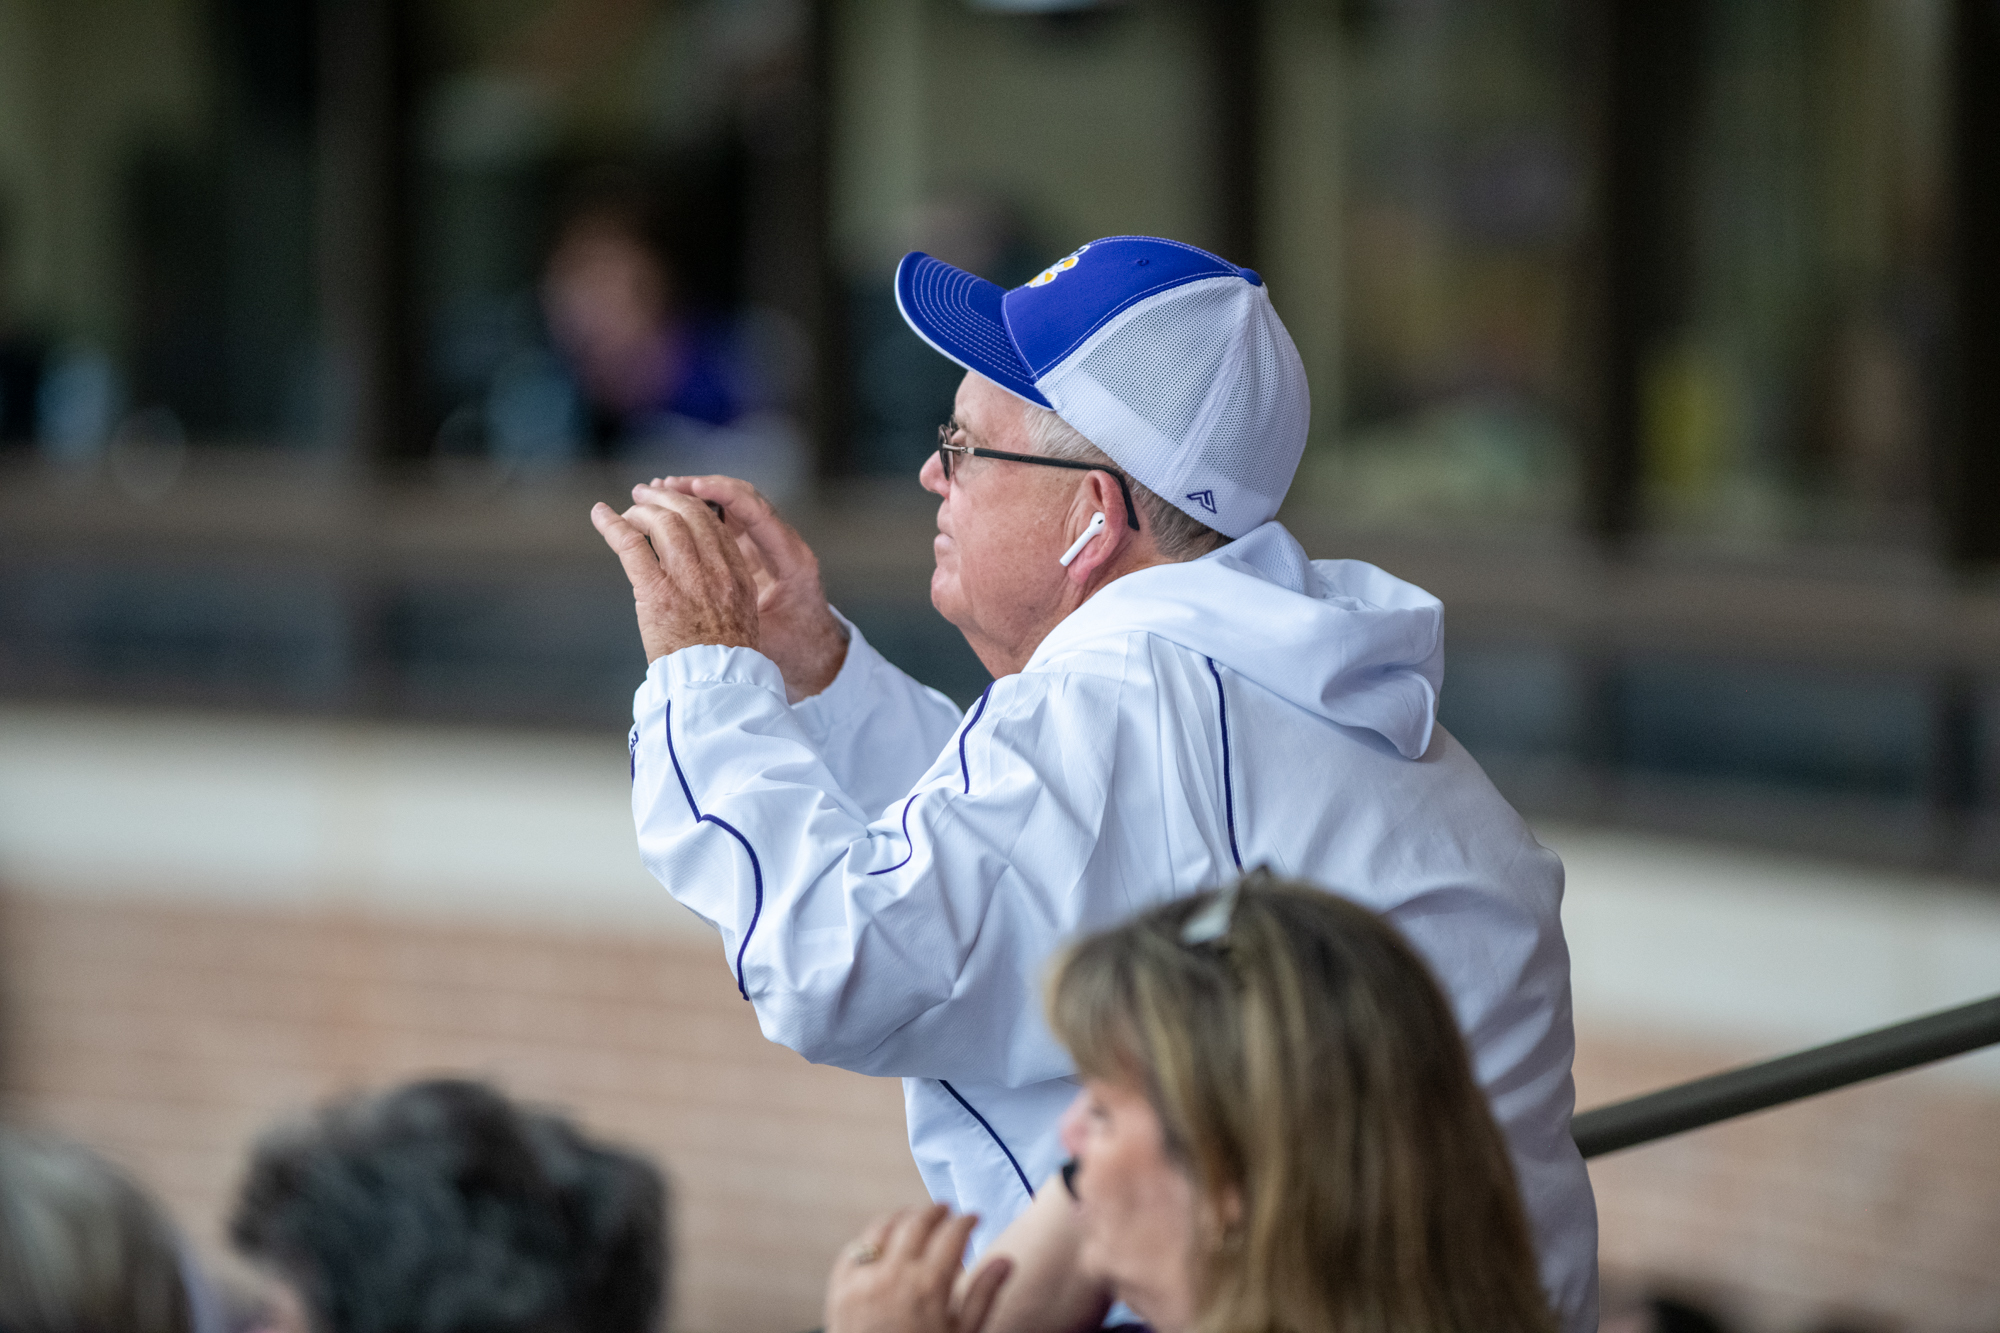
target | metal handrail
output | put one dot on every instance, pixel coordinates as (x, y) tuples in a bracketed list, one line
[(1734, 1092)]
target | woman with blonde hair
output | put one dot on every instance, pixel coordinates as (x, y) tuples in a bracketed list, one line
[(1278, 1132)]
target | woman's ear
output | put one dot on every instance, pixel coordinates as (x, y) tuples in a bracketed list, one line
[(1226, 1215)]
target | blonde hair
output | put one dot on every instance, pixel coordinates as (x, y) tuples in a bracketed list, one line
[(1307, 1061)]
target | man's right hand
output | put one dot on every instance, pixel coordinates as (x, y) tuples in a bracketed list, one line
[(796, 629)]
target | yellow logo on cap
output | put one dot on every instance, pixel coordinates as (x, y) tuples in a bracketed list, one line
[(1063, 265)]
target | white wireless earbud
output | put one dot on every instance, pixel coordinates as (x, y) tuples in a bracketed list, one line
[(1096, 526)]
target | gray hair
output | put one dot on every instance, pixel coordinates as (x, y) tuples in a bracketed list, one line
[(81, 1247), (1177, 535)]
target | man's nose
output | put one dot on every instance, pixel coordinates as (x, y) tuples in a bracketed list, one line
[(931, 474)]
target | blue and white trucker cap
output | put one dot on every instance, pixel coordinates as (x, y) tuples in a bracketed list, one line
[(1170, 360)]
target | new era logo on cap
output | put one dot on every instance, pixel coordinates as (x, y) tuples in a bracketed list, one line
[(1168, 358)]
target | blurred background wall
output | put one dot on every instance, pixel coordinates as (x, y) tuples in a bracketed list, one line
[(1655, 338)]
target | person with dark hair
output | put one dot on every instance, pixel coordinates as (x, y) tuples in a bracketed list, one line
[(1278, 1132), (619, 309), (442, 1207), (665, 374), (82, 1248)]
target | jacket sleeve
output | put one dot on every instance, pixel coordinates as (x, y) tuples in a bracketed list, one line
[(876, 727), (910, 944)]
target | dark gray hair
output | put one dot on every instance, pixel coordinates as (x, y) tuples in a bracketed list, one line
[(1176, 534), (444, 1207)]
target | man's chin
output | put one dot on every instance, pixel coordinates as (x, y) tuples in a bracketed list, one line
[(944, 595)]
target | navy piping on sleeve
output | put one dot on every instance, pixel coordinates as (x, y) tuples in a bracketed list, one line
[(906, 838), (964, 771), (978, 711), (992, 1134), (1228, 791), (756, 870)]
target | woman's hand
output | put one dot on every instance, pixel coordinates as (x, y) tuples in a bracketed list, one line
[(897, 1277), (1049, 1291)]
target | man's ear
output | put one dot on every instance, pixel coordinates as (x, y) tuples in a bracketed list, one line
[(1099, 493)]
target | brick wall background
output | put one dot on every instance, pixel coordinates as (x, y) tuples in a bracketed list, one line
[(168, 1035), (1874, 1207)]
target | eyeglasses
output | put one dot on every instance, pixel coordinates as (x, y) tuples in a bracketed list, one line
[(1211, 924), (946, 449)]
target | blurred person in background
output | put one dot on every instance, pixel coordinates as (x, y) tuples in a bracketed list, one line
[(442, 1207), (1661, 1312), (83, 1250), (665, 381), (1278, 1132), (1179, 692), (23, 355)]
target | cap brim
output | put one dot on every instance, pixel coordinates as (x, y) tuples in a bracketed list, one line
[(960, 316)]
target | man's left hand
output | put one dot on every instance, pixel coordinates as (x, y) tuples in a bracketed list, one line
[(689, 582)]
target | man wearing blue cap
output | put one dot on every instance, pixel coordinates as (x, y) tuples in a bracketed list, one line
[(1178, 693)]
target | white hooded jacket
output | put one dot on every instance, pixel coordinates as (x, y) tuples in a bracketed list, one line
[(890, 878)]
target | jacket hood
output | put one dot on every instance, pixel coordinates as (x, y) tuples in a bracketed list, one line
[(1338, 638)]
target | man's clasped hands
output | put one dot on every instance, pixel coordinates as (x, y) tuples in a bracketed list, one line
[(744, 580)]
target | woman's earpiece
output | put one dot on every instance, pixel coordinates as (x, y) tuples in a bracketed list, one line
[(1096, 526)]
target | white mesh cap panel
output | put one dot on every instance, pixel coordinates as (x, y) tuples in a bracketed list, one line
[(1199, 394), (1256, 431)]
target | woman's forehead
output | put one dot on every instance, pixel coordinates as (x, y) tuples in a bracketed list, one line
[(1118, 1090)]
